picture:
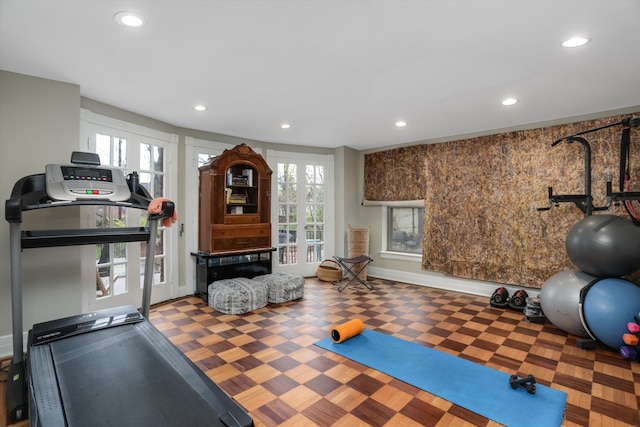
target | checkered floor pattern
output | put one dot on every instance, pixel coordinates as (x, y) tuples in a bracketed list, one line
[(267, 361)]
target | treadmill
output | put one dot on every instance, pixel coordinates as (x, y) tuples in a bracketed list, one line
[(113, 368), (110, 367)]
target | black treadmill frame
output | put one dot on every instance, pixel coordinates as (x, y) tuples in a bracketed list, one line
[(29, 193)]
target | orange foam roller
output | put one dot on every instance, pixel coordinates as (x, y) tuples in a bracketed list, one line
[(347, 330)]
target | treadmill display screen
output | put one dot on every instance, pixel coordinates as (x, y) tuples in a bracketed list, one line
[(72, 173), (80, 182)]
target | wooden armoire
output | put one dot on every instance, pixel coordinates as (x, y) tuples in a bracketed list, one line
[(235, 193)]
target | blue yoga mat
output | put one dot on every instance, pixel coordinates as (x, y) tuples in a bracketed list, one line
[(470, 385)]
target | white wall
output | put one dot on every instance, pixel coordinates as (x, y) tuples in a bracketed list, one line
[(39, 124)]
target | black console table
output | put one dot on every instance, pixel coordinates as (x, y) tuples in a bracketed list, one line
[(229, 264)]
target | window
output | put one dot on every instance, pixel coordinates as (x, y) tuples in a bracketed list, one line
[(301, 210), (119, 268), (112, 259), (404, 229), (204, 159), (288, 207)]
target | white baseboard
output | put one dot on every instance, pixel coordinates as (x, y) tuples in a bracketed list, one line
[(440, 281), (426, 278)]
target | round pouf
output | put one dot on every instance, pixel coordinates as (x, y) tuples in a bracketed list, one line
[(237, 296), (607, 306), (604, 245), (560, 300), (282, 287)]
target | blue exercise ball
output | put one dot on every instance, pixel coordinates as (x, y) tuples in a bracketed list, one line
[(604, 246), (560, 300), (607, 306)]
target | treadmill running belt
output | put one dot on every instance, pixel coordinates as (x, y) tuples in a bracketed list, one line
[(121, 376)]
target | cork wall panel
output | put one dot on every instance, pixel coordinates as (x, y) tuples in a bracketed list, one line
[(396, 174), (481, 196)]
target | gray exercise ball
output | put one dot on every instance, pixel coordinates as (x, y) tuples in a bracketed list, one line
[(605, 246), (560, 300)]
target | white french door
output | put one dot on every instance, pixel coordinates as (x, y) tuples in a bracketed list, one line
[(119, 268), (302, 210), (197, 153)]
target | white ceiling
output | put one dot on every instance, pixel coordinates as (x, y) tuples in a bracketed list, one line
[(340, 72)]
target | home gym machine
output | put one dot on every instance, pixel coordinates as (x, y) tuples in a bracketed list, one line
[(72, 362), (594, 300), (584, 202)]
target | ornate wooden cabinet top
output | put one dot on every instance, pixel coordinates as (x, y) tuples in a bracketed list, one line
[(239, 154), (235, 202)]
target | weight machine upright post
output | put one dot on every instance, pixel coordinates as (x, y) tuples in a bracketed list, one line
[(148, 268), (588, 206), (587, 175)]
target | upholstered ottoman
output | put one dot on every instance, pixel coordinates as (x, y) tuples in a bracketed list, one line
[(237, 296), (282, 287)]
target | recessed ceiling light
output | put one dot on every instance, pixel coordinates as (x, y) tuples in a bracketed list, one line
[(575, 42), (509, 101), (129, 19), (200, 107), (285, 126), (401, 123)]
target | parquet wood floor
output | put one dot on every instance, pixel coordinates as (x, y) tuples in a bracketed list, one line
[(267, 361)]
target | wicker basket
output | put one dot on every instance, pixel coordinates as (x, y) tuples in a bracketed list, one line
[(358, 239), (329, 273)]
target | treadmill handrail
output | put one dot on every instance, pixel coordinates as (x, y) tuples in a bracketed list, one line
[(84, 236)]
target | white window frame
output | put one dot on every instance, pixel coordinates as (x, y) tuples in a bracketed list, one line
[(384, 226)]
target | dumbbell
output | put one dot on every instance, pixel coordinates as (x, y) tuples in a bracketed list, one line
[(631, 339), (527, 383), (630, 352)]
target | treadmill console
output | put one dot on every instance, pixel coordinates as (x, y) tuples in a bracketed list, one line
[(83, 181)]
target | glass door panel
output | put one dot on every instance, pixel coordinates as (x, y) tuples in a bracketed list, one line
[(287, 214), (301, 188), (152, 177), (119, 267), (314, 222), (112, 270)]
